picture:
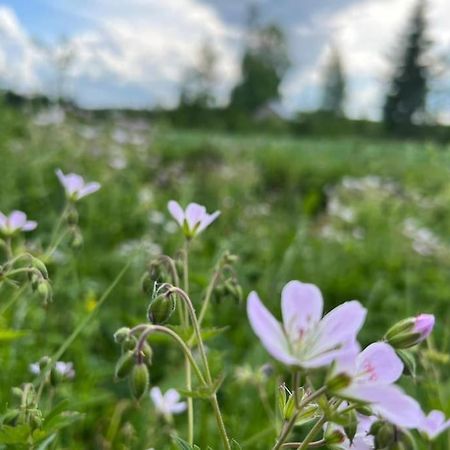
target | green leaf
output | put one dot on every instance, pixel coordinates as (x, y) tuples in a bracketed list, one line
[(184, 445), (11, 335), (14, 435)]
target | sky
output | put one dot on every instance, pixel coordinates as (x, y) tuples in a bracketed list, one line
[(135, 53)]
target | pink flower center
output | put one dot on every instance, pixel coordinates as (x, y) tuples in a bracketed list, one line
[(369, 369)]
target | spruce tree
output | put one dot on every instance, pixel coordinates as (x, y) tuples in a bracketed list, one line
[(406, 100), (333, 96)]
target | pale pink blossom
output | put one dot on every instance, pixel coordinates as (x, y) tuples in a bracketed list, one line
[(373, 373), (434, 424), (194, 219), (423, 325), (16, 221), (168, 403), (75, 186), (306, 339)]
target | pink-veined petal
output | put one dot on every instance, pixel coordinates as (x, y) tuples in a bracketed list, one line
[(176, 211), (389, 401), (88, 189), (302, 306), (378, 363), (207, 220), (268, 329), (341, 324), (17, 219), (194, 215)]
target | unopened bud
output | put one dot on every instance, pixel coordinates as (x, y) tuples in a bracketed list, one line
[(409, 362), (121, 334), (45, 291), (76, 239), (124, 365), (161, 308), (139, 381), (282, 398), (385, 436), (147, 284), (333, 437), (338, 382), (72, 216), (289, 407), (147, 354), (352, 425), (17, 392), (39, 265), (410, 332)]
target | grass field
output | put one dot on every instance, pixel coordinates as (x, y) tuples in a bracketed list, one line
[(361, 219)]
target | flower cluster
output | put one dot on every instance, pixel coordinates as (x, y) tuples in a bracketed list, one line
[(306, 340)]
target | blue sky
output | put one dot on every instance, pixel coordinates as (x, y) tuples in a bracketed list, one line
[(136, 52)]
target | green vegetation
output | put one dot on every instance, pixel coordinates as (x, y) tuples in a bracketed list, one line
[(362, 219)]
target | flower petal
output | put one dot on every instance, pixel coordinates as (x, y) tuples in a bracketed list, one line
[(178, 408), (194, 215), (268, 329), (29, 225), (302, 306), (390, 402), (171, 396), (157, 397), (176, 211), (88, 189), (17, 220), (207, 220), (434, 424), (378, 363)]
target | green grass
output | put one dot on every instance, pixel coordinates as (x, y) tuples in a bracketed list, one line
[(273, 194)]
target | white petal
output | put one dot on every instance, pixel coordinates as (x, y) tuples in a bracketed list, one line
[(195, 213), (176, 211), (269, 330), (207, 220), (88, 189), (302, 306)]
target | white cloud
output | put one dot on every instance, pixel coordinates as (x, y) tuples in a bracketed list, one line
[(367, 32), (19, 57)]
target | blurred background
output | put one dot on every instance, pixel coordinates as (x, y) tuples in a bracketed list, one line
[(321, 131), (340, 67)]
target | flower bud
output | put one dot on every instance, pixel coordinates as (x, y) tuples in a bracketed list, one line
[(385, 436), (39, 265), (289, 407), (161, 308), (139, 381), (17, 392), (124, 365), (282, 398), (409, 362), (410, 332), (121, 334), (147, 353), (129, 343), (334, 436), (76, 238), (147, 284), (45, 291), (338, 382), (352, 425), (72, 216)]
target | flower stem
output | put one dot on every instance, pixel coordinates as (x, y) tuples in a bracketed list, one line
[(220, 423), (287, 427), (310, 436)]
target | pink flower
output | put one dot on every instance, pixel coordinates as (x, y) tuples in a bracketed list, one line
[(75, 186), (306, 339), (373, 372), (16, 221), (194, 219), (362, 440), (168, 403), (434, 424)]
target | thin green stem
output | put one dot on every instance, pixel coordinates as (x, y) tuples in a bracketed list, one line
[(220, 423), (209, 291), (310, 436), (315, 444), (13, 299)]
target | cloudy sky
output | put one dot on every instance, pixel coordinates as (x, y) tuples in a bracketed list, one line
[(136, 52)]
